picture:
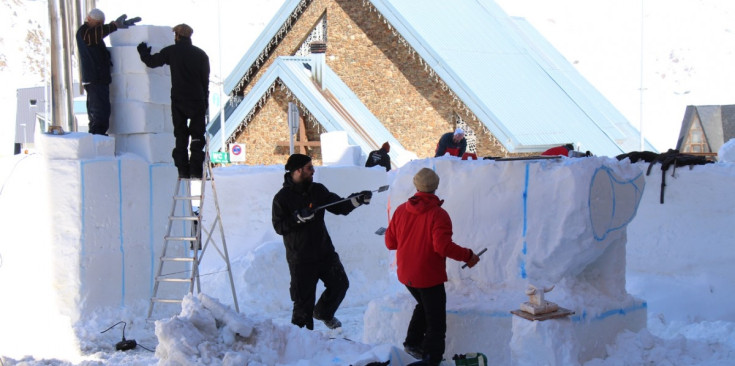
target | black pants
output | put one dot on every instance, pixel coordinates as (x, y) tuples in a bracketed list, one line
[(428, 326), (189, 121), (304, 278), (98, 108)]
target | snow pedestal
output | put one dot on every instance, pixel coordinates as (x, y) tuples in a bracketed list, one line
[(549, 342), (562, 223), (103, 234)]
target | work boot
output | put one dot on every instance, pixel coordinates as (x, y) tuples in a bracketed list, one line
[(415, 351), (333, 323)]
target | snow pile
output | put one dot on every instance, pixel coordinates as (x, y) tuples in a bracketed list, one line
[(208, 333)]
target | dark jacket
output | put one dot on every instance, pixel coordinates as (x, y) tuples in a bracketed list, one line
[(189, 69), (378, 157), (93, 54), (421, 232), (446, 145), (306, 242)]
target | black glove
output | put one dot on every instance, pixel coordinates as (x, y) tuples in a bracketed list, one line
[(120, 21), (362, 198), (303, 215), (144, 49), (131, 21)]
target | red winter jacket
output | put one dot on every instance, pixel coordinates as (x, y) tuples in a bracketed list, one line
[(421, 232)]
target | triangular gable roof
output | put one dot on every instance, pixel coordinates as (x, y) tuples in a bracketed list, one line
[(335, 107), (507, 74), (718, 124)]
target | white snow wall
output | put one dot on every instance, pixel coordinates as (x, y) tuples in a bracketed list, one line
[(685, 243)]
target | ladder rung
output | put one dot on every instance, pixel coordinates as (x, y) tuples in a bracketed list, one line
[(187, 197), (155, 299), (181, 238), (177, 259), (172, 279), (187, 218)]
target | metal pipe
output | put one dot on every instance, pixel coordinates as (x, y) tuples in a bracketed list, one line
[(62, 112)]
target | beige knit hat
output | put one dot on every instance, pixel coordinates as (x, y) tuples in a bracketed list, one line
[(426, 180)]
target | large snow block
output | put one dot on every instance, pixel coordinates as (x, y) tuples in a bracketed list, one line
[(104, 146), (129, 117), (153, 147), (146, 197), (336, 149), (657, 250), (563, 223), (154, 36), (74, 145), (151, 88), (126, 60), (101, 259)]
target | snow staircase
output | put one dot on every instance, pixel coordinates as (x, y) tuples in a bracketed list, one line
[(182, 254)]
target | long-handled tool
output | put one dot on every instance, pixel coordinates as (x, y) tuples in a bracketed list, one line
[(381, 189), (478, 254)]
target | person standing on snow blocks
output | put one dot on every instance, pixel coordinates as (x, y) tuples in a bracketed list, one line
[(189, 97), (379, 157), (95, 63), (309, 251), (453, 143), (420, 232)]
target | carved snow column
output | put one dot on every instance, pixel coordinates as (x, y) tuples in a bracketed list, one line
[(318, 52)]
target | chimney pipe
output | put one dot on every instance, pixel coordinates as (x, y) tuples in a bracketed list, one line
[(318, 51)]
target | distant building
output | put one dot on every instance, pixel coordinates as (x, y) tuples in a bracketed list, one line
[(706, 128), (385, 71), (31, 115)]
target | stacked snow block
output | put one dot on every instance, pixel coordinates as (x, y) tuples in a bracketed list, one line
[(140, 96), (107, 223)]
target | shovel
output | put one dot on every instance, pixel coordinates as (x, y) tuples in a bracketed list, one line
[(381, 189)]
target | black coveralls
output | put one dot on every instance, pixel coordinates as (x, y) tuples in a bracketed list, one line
[(189, 100), (309, 251), (95, 64)]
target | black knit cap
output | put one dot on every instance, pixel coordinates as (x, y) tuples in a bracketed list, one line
[(297, 161)]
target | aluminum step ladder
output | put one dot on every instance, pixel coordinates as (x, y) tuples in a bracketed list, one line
[(187, 241)]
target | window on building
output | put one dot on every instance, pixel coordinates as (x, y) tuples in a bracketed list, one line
[(696, 141), (319, 33)]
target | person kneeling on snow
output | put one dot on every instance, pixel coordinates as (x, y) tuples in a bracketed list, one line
[(421, 233)]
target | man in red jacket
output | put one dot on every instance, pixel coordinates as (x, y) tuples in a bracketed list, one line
[(421, 232)]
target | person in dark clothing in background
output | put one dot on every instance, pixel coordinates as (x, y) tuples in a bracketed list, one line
[(379, 157), (453, 143), (189, 97), (95, 63), (420, 232), (309, 251)]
